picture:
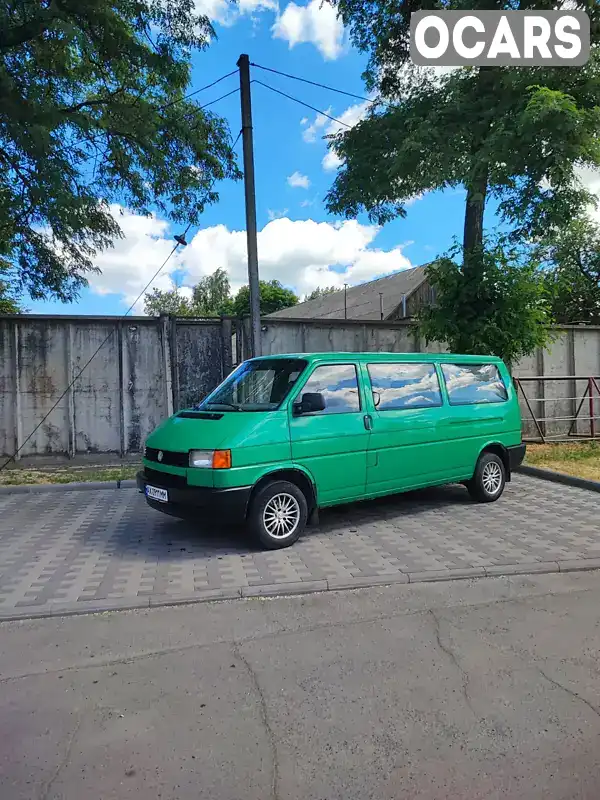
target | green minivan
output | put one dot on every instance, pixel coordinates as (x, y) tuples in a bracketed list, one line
[(285, 435)]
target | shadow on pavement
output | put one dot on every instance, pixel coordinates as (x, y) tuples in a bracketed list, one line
[(149, 533)]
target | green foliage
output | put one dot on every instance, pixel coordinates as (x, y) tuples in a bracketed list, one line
[(273, 297), (503, 311), (512, 134), (572, 258), (211, 294), (168, 301), (211, 298), (320, 291), (93, 112)]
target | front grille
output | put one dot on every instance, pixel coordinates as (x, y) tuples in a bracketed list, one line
[(165, 479), (170, 458)]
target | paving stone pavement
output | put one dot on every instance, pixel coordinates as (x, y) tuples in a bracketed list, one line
[(106, 548)]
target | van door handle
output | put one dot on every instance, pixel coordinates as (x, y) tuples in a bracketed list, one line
[(368, 420)]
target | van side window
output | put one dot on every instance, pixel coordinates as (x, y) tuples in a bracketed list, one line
[(468, 384), (404, 386), (338, 384)]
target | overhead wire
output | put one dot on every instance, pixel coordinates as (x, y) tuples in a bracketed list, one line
[(237, 139), (143, 291), (94, 354), (174, 249), (302, 103), (312, 83), (197, 91)]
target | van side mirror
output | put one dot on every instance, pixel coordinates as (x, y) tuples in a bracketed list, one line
[(310, 402)]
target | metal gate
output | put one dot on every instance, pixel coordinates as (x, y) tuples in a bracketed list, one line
[(201, 358), (559, 408)]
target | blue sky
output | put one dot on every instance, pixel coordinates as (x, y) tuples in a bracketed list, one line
[(299, 243)]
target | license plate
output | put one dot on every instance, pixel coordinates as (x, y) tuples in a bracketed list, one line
[(157, 494)]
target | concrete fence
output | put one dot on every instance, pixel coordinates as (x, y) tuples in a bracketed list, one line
[(83, 385), (554, 401), (74, 385)]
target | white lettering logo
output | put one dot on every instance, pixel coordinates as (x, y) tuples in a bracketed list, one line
[(500, 38)]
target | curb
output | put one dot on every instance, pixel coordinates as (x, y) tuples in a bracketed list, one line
[(78, 608), (560, 477), (32, 488)]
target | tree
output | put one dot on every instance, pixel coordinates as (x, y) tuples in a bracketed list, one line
[(571, 255), (514, 135), (320, 291), (211, 294), (507, 313), (168, 301), (93, 111), (273, 297)]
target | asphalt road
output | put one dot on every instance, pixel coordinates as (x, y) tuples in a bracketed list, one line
[(470, 690)]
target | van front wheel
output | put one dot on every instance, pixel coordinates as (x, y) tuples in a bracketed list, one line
[(278, 514), (489, 479)]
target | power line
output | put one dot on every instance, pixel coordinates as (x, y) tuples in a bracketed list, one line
[(237, 139), (197, 91), (302, 103), (313, 83), (95, 353), (223, 96), (179, 100)]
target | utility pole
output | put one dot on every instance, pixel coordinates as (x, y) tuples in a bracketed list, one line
[(250, 193), (345, 301), (380, 305)]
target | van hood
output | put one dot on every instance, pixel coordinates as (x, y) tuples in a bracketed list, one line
[(189, 430)]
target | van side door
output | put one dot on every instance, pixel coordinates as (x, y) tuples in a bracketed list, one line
[(406, 448), (331, 443)]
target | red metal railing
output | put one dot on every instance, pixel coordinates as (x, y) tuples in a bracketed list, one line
[(553, 428)]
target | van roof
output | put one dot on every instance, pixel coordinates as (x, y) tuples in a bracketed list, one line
[(406, 357)]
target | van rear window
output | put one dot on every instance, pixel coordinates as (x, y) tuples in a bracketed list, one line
[(468, 384)]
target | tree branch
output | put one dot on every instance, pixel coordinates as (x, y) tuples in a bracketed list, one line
[(13, 37), (99, 101)]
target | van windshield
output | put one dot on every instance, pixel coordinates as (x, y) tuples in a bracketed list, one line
[(259, 385)]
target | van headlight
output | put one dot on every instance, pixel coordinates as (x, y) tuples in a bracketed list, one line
[(210, 459)]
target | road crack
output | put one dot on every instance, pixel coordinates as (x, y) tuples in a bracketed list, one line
[(264, 716), (445, 648), (575, 695), (45, 792)]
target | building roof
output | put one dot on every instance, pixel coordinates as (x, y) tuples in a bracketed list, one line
[(363, 301)]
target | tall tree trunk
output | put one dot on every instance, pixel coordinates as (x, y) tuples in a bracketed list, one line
[(473, 231)]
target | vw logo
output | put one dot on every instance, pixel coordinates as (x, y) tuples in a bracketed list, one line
[(161, 455)]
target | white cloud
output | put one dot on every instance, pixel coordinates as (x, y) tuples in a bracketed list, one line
[(275, 214), (590, 179), (302, 254), (310, 134), (298, 181), (347, 119), (130, 264), (316, 22), (227, 13), (331, 161)]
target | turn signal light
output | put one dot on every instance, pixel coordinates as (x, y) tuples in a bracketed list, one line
[(221, 459)]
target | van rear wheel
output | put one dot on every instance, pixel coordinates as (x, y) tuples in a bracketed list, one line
[(278, 514), (489, 478)]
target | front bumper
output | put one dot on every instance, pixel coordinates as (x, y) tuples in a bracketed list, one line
[(516, 455), (226, 505)]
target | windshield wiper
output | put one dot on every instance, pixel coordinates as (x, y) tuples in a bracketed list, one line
[(227, 405)]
